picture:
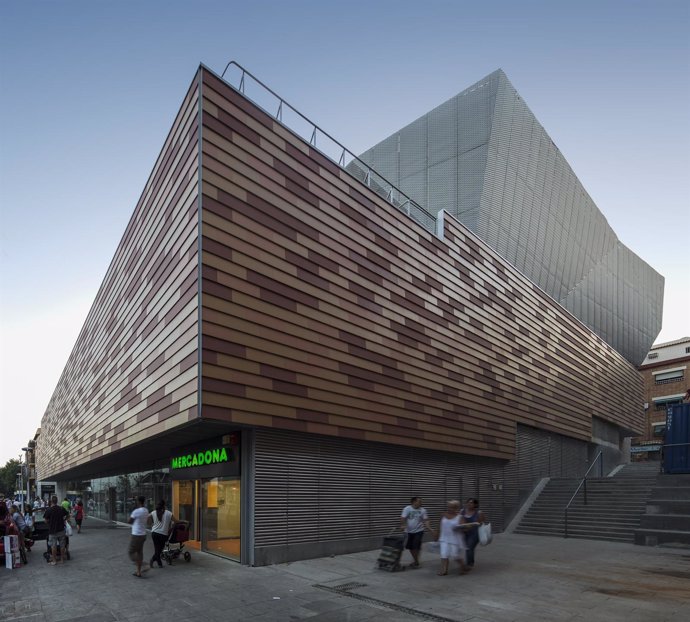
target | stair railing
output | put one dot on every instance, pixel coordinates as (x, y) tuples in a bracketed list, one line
[(583, 482)]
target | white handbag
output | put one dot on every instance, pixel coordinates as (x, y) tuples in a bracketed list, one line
[(485, 536), (434, 546), (68, 529)]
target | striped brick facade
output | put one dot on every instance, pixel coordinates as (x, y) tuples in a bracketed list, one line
[(133, 372), (259, 286), (327, 311)]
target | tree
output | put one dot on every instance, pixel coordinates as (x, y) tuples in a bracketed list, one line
[(8, 477)]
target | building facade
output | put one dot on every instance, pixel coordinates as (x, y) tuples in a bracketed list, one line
[(664, 373), (484, 157), (286, 356)]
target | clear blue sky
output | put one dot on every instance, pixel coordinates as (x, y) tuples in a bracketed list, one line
[(89, 90)]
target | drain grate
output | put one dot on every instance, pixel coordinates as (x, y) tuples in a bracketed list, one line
[(348, 586), (344, 590)]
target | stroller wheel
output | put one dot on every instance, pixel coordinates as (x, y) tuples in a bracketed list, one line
[(187, 556)]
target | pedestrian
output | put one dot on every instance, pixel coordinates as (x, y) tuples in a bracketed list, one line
[(29, 520), (452, 542), (79, 514), (471, 518), (138, 520), (7, 525), (163, 521), (413, 520), (18, 519), (56, 516)]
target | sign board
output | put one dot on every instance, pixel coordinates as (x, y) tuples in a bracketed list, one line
[(636, 449), (219, 457)]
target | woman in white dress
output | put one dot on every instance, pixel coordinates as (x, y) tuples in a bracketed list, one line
[(451, 538)]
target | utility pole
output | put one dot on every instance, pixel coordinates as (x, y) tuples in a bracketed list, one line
[(28, 475), (20, 482)]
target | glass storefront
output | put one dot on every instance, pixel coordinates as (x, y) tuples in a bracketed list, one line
[(185, 504), (207, 493), (220, 502), (212, 507), (114, 497), (200, 484)]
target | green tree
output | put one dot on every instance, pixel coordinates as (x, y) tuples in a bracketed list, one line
[(8, 477)]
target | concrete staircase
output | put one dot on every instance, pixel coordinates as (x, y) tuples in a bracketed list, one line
[(613, 511), (667, 519)]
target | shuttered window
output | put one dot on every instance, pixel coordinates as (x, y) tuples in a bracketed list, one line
[(666, 377)]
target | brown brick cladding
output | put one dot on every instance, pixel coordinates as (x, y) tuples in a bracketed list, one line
[(133, 372), (325, 310)]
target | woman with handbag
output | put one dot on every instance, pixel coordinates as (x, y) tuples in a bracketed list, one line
[(472, 517)]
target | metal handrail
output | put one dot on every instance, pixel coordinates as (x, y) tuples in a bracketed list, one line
[(583, 482), (344, 160)]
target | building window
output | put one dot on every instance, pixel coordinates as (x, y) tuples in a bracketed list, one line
[(669, 376), (687, 349), (653, 355), (665, 405), (658, 429)]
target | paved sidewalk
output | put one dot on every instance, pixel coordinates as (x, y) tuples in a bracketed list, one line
[(518, 578)]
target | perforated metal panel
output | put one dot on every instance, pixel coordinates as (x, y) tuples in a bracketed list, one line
[(485, 158)]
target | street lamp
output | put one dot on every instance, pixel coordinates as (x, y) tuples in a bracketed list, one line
[(20, 482), (28, 475)]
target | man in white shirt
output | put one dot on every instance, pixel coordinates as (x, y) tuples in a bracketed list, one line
[(413, 521), (138, 520)]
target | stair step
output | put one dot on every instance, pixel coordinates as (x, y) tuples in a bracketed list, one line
[(674, 522), (545, 517), (623, 537), (584, 527), (655, 537), (680, 494), (637, 509), (556, 510), (668, 506), (627, 507)]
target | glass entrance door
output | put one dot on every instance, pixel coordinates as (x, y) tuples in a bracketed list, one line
[(220, 523), (185, 505)]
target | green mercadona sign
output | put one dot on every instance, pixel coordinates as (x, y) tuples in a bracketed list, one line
[(201, 458)]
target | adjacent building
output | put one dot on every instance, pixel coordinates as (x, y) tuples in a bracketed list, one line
[(664, 373), (284, 354)]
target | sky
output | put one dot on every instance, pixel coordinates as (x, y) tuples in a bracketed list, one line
[(89, 90)]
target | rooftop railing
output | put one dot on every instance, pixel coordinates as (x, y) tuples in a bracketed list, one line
[(272, 104)]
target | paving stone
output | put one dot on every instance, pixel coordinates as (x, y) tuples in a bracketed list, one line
[(517, 579)]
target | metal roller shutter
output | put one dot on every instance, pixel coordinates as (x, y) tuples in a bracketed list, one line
[(311, 488)]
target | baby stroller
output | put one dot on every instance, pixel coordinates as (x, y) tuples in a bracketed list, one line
[(174, 545)]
